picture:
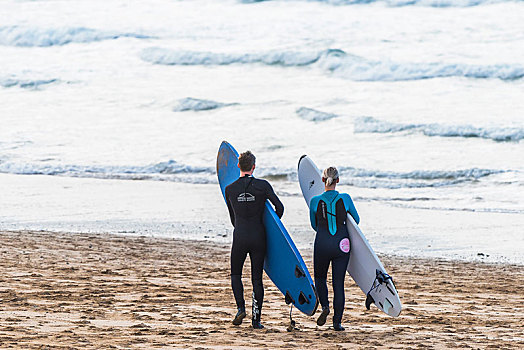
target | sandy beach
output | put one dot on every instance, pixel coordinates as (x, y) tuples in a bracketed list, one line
[(93, 291)]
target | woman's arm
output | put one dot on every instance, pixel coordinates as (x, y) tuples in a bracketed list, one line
[(350, 207), (313, 205)]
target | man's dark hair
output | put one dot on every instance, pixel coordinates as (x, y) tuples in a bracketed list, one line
[(246, 161)]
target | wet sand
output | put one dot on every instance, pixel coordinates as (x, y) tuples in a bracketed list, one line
[(89, 291)]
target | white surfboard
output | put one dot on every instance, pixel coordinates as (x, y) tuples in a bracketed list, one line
[(364, 266)]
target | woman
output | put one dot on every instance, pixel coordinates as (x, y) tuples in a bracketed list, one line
[(328, 217)]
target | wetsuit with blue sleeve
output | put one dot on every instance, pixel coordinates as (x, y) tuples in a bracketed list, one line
[(246, 201), (328, 214)]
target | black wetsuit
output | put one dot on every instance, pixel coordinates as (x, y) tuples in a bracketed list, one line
[(246, 200), (328, 213)]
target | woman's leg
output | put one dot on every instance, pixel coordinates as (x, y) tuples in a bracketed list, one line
[(339, 267), (321, 266)]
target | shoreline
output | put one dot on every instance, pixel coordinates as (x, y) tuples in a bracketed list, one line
[(73, 290), (306, 251), (63, 204)]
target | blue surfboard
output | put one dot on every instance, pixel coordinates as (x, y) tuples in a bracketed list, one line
[(283, 263)]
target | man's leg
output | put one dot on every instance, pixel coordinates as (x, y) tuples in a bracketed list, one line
[(257, 267), (238, 256)]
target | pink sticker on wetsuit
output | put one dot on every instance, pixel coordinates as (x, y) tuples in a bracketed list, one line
[(344, 245)]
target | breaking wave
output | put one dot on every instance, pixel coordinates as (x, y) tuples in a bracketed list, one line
[(399, 3), (373, 125), (360, 69), (164, 171), (43, 37), (339, 63), (314, 115), (413, 179), (366, 178), (463, 174), (163, 56), (30, 84), (195, 104), (178, 172)]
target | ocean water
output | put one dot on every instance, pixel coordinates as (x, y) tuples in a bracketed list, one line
[(419, 103)]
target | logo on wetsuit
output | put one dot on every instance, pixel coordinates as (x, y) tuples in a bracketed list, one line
[(256, 310), (344, 245), (246, 197)]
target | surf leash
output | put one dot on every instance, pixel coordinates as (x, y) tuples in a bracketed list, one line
[(292, 323), (380, 278)]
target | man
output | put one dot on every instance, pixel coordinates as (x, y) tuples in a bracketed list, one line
[(246, 198)]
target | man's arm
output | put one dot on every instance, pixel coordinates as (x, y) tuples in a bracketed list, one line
[(230, 208), (279, 207)]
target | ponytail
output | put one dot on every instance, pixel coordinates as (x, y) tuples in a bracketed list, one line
[(331, 175)]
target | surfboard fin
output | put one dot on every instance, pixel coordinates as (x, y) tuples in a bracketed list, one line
[(302, 298), (288, 298), (298, 272), (369, 301)]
